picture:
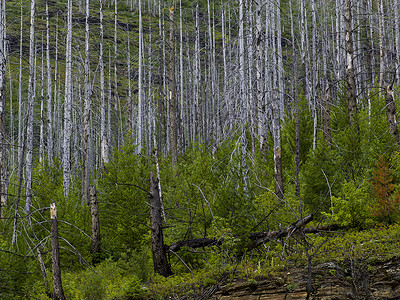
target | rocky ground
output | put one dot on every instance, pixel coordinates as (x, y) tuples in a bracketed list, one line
[(354, 280)]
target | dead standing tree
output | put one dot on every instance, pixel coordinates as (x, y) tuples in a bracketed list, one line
[(55, 251), (161, 265)]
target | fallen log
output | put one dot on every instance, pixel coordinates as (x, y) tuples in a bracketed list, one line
[(256, 238)]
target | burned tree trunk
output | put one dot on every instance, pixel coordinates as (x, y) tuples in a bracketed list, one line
[(55, 251), (391, 113), (94, 212), (161, 265)]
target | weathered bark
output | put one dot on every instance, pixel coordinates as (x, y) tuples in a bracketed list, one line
[(382, 66), (86, 115), (31, 103), (103, 134), (66, 158), (3, 166), (161, 265), (326, 118), (171, 85), (256, 238), (44, 273), (94, 212), (391, 113), (55, 252), (351, 83), (49, 91)]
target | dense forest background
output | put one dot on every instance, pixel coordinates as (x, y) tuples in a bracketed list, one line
[(241, 117)]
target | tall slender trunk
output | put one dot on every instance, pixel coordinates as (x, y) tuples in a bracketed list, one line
[(31, 102), (276, 114), (140, 91), (49, 91), (171, 86), (351, 83), (68, 104), (3, 159), (86, 115), (103, 132), (382, 67)]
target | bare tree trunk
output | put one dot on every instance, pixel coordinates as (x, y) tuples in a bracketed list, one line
[(391, 113), (382, 67), (49, 91), (161, 265), (31, 102), (68, 104), (171, 85), (276, 116), (103, 133), (44, 273), (3, 160), (86, 115), (94, 212), (55, 252), (351, 83), (140, 88)]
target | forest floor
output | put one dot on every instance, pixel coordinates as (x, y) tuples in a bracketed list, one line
[(356, 280)]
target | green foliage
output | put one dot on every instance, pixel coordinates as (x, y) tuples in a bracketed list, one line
[(123, 200), (320, 177), (108, 280), (351, 207)]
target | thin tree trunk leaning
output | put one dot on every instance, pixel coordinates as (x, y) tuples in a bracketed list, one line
[(94, 212), (55, 252), (256, 238), (44, 273), (391, 113), (161, 265)]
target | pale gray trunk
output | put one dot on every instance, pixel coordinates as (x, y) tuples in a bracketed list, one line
[(3, 158), (397, 38), (31, 103), (49, 91), (68, 104), (86, 115), (140, 91), (382, 66), (20, 107), (243, 96), (103, 132), (171, 87)]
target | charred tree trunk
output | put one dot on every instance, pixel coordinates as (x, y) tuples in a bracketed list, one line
[(351, 82), (94, 211), (161, 265), (326, 118), (55, 252), (391, 113)]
